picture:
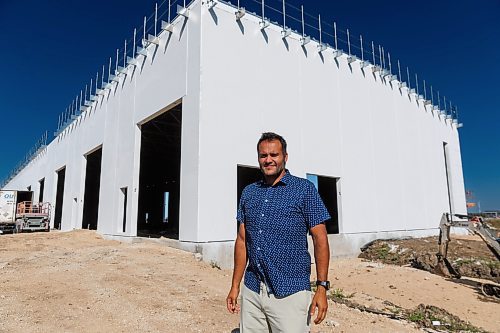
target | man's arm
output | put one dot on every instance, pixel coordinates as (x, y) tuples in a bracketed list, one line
[(322, 257), (240, 262)]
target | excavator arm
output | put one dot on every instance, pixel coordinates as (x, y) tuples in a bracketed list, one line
[(475, 225)]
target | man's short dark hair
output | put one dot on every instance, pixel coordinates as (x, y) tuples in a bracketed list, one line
[(270, 136)]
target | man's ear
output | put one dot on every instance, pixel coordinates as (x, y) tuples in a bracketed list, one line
[(286, 157)]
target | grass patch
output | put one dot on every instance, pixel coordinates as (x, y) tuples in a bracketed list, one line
[(339, 294), (425, 315), (492, 264), (383, 251), (461, 261), (416, 316)]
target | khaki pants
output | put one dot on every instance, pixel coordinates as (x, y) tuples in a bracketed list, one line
[(263, 312)]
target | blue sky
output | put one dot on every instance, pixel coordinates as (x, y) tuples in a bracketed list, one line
[(51, 49)]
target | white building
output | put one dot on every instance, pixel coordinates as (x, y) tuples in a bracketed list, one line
[(184, 117)]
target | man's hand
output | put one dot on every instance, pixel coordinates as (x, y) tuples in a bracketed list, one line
[(319, 301), (232, 301)]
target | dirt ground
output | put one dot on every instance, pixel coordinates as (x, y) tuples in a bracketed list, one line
[(78, 282), (468, 255)]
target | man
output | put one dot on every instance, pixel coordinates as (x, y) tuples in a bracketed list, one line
[(274, 217)]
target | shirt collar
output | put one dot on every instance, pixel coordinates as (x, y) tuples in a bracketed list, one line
[(284, 180)]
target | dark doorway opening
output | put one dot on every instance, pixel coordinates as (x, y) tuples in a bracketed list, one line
[(246, 176), (41, 186), (24, 196), (61, 175), (159, 174), (327, 189), (447, 173), (124, 205), (92, 186)]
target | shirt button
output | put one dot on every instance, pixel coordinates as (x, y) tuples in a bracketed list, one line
[(266, 200), (260, 231), (258, 249), (258, 265), (262, 214)]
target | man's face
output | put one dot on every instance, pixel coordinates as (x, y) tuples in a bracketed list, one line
[(271, 158)]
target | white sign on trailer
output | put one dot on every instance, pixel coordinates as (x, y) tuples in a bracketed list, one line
[(7, 206)]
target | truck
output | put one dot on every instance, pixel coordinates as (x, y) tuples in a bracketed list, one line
[(19, 213)]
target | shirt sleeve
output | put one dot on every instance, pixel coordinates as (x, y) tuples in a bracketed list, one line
[(315, 211)]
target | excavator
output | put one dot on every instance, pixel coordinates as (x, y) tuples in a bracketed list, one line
[(476, 226)]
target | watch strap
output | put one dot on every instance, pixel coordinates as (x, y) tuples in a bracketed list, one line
[(324, 284)]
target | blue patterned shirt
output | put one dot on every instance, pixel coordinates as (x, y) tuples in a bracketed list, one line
[(277, 219)]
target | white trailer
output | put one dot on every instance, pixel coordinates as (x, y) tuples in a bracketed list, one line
[(18, 212), (8, 201)]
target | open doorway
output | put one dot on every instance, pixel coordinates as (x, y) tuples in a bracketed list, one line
[(447, 173), (246, 176), (159, 175), (92, 186), (41, 187), (327, 189), (123, 206), (24, 196), (61, 175)]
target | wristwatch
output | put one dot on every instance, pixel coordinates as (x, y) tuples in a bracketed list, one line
[(324, 284)]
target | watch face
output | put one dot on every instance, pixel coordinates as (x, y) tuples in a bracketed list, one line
[(325, 284)]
